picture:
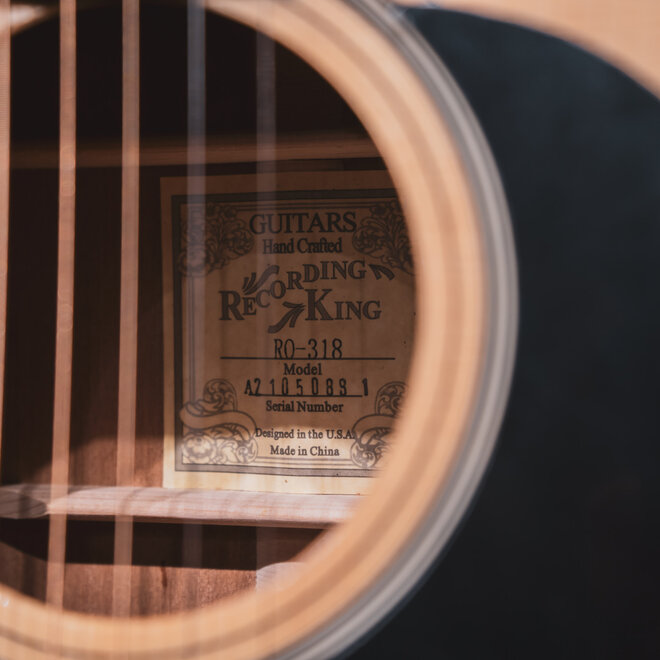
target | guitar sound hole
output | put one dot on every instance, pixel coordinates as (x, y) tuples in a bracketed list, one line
[(257, 94)]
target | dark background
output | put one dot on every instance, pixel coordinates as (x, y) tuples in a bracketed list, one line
[(558, 557)]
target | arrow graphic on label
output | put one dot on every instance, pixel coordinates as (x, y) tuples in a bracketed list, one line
[(296, 309), (378, 271)]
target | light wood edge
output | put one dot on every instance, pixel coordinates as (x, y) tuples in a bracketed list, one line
[(230, 150), (444, 230), (624, 32), (29, 501), (25, 15)]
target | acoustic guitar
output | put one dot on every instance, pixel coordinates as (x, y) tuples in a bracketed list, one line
[(259, 282)]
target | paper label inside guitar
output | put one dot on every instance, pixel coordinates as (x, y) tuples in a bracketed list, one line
[(288, 327)]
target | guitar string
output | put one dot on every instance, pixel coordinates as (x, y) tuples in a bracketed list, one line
[(192, 534), (128, 314), (64, 315), (266, 181), (266, 128), (5, 109)]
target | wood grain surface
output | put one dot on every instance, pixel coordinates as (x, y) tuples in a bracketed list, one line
[(177, 505), (332, 145)]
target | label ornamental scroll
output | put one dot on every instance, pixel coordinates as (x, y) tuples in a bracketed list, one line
[(288, 325)]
